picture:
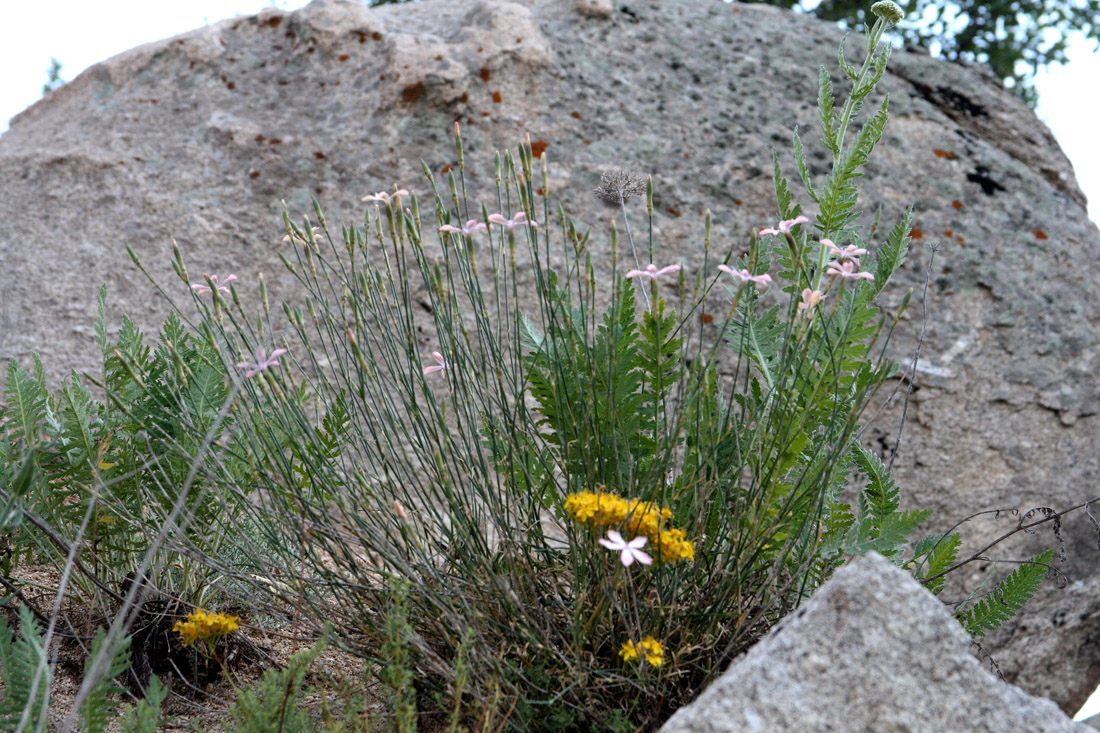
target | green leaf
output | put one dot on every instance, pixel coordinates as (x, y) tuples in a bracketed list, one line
[(880, 498), (826, 107), (98, 707), (942, 557), (26, 403), (760, 338), (23, 666), (145, 716), (800, 159), (1008, 597)]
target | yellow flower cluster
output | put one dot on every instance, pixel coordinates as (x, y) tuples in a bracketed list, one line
[(640, 517), (649, 647), (209, 627)]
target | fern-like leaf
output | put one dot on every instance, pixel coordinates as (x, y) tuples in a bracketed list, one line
[(880, 499), (1008, 597), (25, 674), (97, 709), (26, 405), (942, 556), (145, 716)]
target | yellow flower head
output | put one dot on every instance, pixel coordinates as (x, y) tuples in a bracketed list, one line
[(639, 518), (649, 647), (207, 627)]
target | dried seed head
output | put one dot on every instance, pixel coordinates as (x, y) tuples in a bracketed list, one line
[(617, 187), (889, 11)]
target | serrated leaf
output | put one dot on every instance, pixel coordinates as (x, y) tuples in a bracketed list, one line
[(880, 498), (1008, 597), (943, 556), (800, 159), (826, 107)]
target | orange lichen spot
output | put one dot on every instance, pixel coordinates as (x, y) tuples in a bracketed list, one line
[(956, 204), (486, 114), (575, 115), (737, 202), (259, 138), (275, 141), (274, 22), (122, 162), (960, 240), (376, 36), (413, 92), (540, 191), (138, 159), (362, 36), (230, 85), (706, 318), (254, 174), (464, 98), (915, 233), (948, 233), (446, 168), (497, 98), (538, 147), (318, 155), (586, 142), (485, 73), (944, 154), (343, 57), (1040, 234), (673, 210)]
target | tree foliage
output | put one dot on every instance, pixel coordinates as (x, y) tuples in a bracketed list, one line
[(1015, 38)]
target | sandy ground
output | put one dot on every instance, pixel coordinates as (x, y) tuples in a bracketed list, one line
[(336, 675)]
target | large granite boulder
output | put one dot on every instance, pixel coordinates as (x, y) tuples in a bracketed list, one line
[(199, 138), (871, 652)]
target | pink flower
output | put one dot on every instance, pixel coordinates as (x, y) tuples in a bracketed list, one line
[(263, 361), (847, 269), (439, 366), (746, 276), (518, 219), (203, 288), (810, 299), (469, 228), (385, 198), (652, 272), (631, 551), (785, 226), (851, 252)]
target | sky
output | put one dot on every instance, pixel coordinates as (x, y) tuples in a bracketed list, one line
[(80, 33)]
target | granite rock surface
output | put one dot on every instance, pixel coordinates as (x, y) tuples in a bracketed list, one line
[(201, 137), (871, 652)]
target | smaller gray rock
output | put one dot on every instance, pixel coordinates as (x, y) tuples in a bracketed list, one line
[(594, 8), (873, 652)]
